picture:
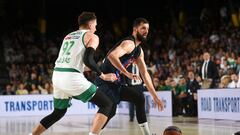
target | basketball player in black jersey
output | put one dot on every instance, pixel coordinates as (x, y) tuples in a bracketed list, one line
[(123, 54), (135, 84)]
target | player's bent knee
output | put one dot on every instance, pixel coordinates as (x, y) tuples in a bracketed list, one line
[(112, 111), (60, 113), (56, 115), (107, 108)]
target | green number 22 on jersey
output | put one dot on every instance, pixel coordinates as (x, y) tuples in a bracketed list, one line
[(67, 47)]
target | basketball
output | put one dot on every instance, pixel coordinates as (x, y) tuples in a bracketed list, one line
[(237, 133), (172, 130), (172, 133)]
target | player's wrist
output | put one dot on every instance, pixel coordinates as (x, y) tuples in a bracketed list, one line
[(102, 76), (128, 74)]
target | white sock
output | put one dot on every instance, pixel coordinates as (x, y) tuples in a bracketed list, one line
[(90, 133), (144, 128), (101, 132)]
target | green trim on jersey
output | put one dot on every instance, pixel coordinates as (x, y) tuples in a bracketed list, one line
[(87, 95), (66, 69), (61, 103), (83, 39), (84, 97)]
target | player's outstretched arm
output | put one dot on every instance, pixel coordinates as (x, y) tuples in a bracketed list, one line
[(148, 81)]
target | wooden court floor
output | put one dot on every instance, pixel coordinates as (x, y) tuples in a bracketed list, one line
[(119, 125)]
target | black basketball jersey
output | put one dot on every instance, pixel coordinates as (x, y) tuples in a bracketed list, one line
[(133, 68), (126, 59)]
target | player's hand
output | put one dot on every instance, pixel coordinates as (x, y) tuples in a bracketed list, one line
[(158, 103), (133, 76), (108, 77)]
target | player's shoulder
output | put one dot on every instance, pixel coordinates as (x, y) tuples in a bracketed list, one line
[(91, 35), (128, 42)]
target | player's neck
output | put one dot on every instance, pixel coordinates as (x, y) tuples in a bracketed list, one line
[(137, 42), (83, 28)]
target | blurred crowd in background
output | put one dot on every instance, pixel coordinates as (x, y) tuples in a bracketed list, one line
[(174, 54)]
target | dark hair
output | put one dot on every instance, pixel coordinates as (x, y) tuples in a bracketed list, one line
[(138, 21), (173, 128), (85, 17)]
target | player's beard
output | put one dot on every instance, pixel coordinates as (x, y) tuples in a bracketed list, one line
[(141, 37)]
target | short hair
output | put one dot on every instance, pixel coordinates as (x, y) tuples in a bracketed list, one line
[(173, 128), (85, 17), (138, 21)]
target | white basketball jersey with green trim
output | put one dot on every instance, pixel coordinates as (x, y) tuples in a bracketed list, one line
[(72, 51)]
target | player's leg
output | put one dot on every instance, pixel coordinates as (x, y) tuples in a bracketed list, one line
[(131, 111), (96, 120), (135, 95), (99, 98), (48, 121), (112, 113), (105, 107), (61, 103), (60, 108), (111, 91)]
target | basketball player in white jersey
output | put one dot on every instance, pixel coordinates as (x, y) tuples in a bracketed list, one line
[(78, 50)]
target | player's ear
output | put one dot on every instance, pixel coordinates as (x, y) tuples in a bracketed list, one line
[(134, 28), (90, 25)]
